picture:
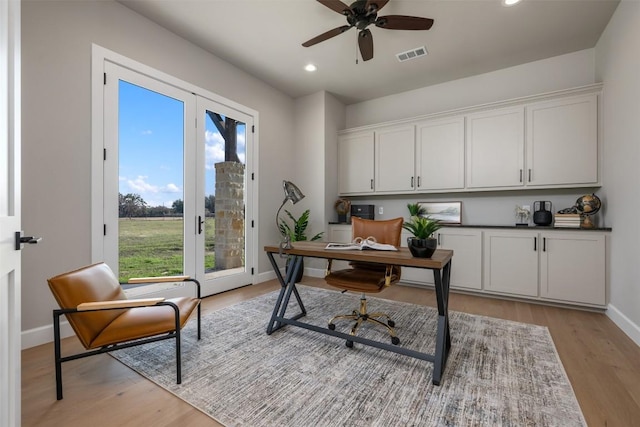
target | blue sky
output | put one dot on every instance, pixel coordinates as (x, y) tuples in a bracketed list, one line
[(151, 146)]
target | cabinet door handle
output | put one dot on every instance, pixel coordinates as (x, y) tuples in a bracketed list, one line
[(520, 175), (418, 181), (439, 242), (411, 182), (535, 244), (529, 175), (544, 244), (372, 183)]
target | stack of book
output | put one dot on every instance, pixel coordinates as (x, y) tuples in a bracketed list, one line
[(566, 220)]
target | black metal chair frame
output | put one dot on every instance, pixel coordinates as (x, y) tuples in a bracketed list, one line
[(109, 348)]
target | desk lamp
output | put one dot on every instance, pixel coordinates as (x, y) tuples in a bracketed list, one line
[(293, 193)]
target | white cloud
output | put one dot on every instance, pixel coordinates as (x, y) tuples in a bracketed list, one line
[(213, 150), (147, 132), (171, 188), (141, 185)]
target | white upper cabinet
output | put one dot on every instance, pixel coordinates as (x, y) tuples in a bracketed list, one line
[(562, 142), (394, 158), (544, 141), (440, 154), (495, 148), (355, 163)]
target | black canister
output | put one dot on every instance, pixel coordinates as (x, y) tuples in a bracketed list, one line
[(542, 213)]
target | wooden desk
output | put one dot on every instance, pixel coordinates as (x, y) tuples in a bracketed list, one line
[(439, 263)]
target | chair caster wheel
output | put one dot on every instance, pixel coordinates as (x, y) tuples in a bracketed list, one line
[(349, 344), (332, 326), (391, 323), (395, 340)]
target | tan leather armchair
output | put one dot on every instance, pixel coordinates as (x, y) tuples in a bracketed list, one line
[(104, 319), (368, 278)]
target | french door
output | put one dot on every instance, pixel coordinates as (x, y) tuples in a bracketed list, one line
[(176, 188)]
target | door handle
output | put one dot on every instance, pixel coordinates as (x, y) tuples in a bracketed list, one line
[(200, 222), (20, 239)]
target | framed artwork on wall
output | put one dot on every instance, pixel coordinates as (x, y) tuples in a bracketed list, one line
[(445, 212)]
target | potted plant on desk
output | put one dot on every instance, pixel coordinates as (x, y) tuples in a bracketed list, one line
[(422, 244), (297, 233)]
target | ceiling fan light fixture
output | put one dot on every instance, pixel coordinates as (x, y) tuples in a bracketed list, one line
[(310, 68), (508, 3)]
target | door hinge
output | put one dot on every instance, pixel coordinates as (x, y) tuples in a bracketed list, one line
[(251, 223), (104, 229), (253, 176), (104, 154), (252, 271), (253, 128), (104, 79)]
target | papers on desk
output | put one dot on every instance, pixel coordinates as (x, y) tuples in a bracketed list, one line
[(360, 244)]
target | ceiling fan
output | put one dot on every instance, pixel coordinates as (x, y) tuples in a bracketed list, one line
[(363, 13)]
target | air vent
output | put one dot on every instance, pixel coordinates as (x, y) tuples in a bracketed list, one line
[(412, 54)]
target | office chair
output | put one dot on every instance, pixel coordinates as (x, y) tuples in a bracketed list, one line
[(104, 319), (368, 277)]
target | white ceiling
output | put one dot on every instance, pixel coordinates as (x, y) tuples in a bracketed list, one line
[(264, 37)]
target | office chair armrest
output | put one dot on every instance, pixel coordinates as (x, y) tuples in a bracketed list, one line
[(127, 303)]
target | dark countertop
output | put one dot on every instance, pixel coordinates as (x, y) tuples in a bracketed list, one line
[(508, 227)]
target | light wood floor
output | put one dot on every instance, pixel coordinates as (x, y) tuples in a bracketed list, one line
[(602, 363)]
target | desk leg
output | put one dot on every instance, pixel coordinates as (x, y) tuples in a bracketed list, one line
[(287, 286), (443, 336)]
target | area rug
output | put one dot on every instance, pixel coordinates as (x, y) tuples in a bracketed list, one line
[(499, 373)]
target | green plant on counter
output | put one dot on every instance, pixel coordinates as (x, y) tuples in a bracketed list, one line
[(422, 227), (298, 232)]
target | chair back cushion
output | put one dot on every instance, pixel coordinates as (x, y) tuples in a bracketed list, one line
[(386, 231), (364, 276), (88, 284)]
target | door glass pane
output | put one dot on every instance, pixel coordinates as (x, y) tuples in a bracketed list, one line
[(225, 195), (151, 183)]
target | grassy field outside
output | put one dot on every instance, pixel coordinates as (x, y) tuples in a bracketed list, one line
[(151, 247)]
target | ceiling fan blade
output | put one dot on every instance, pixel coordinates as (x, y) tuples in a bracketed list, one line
[(401, 22), (365, 42), (379, 4), (324, 36), (337, 5)]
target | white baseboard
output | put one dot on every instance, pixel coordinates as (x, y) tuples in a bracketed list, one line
[(624, 323), (44, 334)]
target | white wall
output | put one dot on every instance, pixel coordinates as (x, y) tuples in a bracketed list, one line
[(317, 119), (334, 121), (547, 75), (56, 53), (618, 66)]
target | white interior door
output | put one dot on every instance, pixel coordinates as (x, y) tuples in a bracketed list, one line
[(9, 213)]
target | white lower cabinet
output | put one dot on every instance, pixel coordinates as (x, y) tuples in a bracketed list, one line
[(567, 267), (466, 265), (572, 267), (511, 262)]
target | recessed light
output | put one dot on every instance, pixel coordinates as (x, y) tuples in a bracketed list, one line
[(510, 2), (310, 68)]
